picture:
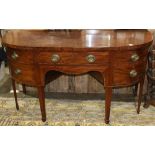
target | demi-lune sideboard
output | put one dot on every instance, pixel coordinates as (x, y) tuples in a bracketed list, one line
[(116, 58)]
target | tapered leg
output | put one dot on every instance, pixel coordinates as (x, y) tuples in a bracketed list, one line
[(140, 95), (15, 94), (41, 95), (108, 95), (24, 88)]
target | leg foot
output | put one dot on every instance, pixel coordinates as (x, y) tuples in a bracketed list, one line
[(108, 95), (107, 121), (44, 119), (140, 95), (15, 94), (41, 95)]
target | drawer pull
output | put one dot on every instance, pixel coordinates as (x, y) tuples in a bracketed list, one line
[(135, 57), (55, 58), (14, 55), (91, 58), (17, 71), (133, 73)]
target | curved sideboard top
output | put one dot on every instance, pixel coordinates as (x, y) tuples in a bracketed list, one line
[(94, 39)]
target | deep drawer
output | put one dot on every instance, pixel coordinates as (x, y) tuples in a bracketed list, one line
[(23, 73)]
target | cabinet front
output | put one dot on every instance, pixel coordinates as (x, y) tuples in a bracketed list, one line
[(128, 67), (23, 73)]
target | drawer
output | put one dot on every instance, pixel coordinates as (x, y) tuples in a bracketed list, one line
[(25, 57), (130, 56), (127, 73), (125, 67), (72, 58), (23, 73), (121, 79)]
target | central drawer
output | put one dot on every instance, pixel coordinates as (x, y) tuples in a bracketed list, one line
[(72, 58)]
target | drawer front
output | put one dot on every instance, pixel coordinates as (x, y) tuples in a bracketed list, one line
[(128, 67), (23, 73), (122, 79), (130, 56), (127, 73), (69, 58), (25, 57)]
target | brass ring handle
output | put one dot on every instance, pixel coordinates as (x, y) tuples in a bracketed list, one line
[(17, 71), (55, 58), (133, 73), (135, 57), (14, 55), (91, 58)]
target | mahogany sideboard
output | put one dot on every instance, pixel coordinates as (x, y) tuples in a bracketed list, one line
[(116, 58)]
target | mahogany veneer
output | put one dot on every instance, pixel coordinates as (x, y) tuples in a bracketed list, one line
[(116, 58)]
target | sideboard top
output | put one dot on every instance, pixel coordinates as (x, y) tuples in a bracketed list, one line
[(77, 38)]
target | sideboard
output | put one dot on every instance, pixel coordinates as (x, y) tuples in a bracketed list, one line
[(116, 58)]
